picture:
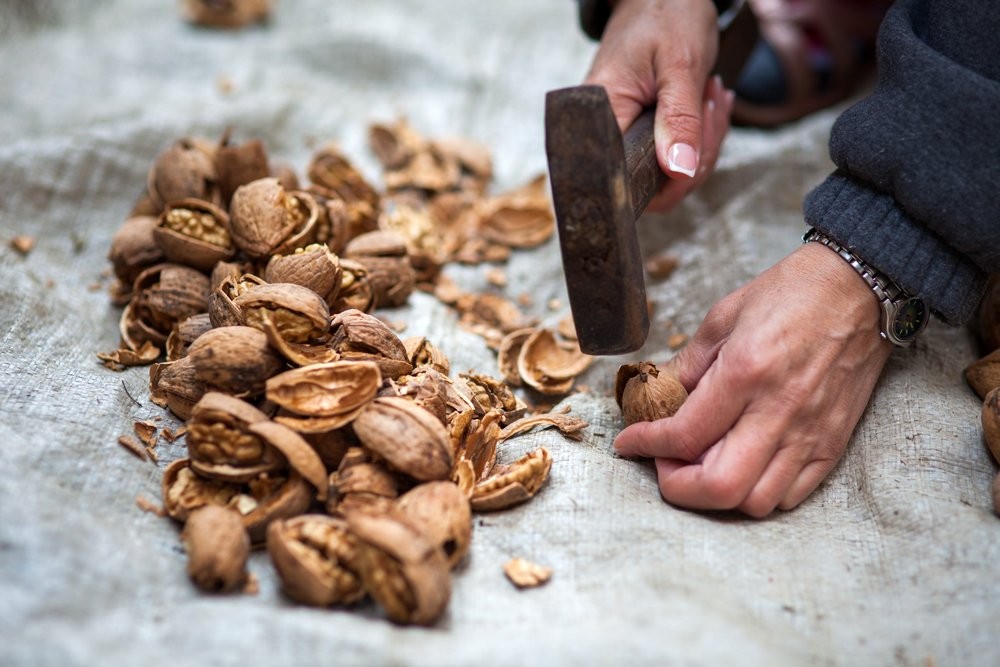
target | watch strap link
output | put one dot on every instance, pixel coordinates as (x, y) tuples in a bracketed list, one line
[(888, 293)]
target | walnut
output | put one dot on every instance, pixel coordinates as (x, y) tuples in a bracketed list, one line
[(235, 360), (162, 296), (218, 546), (220, 443), (298, 313), (314, 267), (384, 256), (316, 559), (222, 308), (647, 393), (194, 233), (267, 220), (403, 571), (441, 511), (408, 437), (184, 170), (133, 248)]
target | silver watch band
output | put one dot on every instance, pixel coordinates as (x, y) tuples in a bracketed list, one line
[(884, 288), (903, 316)]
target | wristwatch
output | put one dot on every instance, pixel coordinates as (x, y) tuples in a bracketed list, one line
[(903, 316)]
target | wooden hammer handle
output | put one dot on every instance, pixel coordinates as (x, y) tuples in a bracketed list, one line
[(644, 174)]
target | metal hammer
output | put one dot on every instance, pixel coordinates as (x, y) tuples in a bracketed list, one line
[(601, 183)]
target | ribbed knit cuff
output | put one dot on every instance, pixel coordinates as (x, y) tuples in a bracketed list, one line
[(871, 225)]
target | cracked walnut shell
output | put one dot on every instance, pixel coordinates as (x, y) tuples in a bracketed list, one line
[(316, 559), (405, 572), (265, 219)]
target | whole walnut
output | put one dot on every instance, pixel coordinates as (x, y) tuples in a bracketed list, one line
[(647, 393), (996, 494), (218, 547)]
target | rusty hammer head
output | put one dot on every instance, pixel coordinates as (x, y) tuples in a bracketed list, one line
[(599, 186)]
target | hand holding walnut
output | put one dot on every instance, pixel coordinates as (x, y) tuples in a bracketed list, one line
[(779, 374)]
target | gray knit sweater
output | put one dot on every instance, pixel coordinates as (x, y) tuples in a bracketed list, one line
[(916, 192)]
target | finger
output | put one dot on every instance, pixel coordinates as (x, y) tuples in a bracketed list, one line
[(677, 127), (694, 359), (714, 128), (729, 471), (700, 422), (806, 482), (775, 481)]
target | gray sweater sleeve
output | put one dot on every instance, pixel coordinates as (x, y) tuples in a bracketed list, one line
[(917, 185)]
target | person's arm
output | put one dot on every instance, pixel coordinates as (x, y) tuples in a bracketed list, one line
[(918, 179), (781, 370)]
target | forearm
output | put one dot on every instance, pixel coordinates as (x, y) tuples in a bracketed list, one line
[(918, 159)]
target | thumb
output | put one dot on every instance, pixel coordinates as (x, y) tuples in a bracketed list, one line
[(677, 127)]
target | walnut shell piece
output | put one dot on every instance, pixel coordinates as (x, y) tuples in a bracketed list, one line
[(218, 547), (259, 501), (647, 393), (525, 574), (403, 571), (316, 559), (441, 511), (228, 14), (408, 437), (991, 422), (325, 390), (514, 483), (548, 366), (983, 375)]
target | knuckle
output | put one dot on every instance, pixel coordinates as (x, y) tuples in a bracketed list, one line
[(724, 491), (758, 506), (685, 447)]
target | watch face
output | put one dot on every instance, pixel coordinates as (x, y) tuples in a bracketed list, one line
[(910, 319)]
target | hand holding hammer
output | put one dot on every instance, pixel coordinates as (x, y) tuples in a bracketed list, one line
[(603, 181)]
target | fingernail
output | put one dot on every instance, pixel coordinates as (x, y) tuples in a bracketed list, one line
[(683, 159), (718, 81), (730, 96), (711, 106)]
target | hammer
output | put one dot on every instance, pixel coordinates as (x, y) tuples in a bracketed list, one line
[(601, 183)]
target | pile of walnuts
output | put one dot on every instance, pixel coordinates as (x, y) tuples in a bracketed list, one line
[(311, 426), (983, 375)]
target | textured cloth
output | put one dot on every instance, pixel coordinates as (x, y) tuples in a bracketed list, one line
[(891, 562)]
